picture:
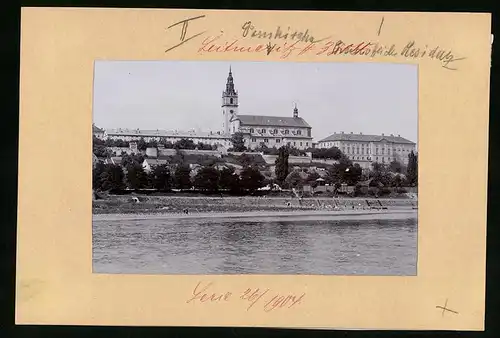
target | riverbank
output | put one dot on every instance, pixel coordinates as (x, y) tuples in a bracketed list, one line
[(256, 216), (164, 205)]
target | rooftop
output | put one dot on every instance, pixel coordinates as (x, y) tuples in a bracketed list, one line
[(275, 121), (366, 138), (165, 133), (96, 129)]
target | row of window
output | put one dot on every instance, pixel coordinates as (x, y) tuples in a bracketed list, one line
[(368, 150), (367, 158), (274, 131), (362, 146), (266, 140)]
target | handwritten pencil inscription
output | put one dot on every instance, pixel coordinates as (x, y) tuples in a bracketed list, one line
[(185, 24), (288, 42), (265, 299)]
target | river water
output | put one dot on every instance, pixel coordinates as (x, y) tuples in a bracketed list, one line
[(270, 245)]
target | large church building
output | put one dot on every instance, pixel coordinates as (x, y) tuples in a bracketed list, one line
[(258, 130), (271, 131)]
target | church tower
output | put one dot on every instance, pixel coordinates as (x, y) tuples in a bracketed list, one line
[(229, 103)]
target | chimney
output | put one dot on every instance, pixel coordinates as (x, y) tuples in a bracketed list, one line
[(360, 133), (399, 135), (392, 135), (382, 134), (295, 112), (351, 132), (341, 132)]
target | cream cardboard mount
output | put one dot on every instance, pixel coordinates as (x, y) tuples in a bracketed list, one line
[(55, 283)]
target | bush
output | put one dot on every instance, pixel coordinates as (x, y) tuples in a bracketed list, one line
[(358, 190), (384, 191), (401, 191), (373, 191)]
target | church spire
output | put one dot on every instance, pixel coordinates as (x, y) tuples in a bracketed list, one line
[(230, 84)]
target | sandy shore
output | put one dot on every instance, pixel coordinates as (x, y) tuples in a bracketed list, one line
[(314, 214)]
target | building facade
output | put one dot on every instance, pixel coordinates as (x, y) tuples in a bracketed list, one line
[(258, 130), (211, 138), (366, 149)]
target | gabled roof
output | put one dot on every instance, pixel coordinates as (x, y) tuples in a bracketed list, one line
[(366, 138), (274, 121)]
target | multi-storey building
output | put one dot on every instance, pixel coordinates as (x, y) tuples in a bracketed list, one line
[(366, 149), (211, 138)]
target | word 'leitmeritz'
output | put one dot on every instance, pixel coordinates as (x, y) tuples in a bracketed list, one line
[(264, 298)]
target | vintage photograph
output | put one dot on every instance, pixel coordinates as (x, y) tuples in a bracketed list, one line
[(255, 168)]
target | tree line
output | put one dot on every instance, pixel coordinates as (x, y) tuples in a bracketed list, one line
[(100, 145), (131, 174), (347, 172)]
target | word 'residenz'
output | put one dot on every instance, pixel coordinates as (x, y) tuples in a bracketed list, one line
[(249, 30)]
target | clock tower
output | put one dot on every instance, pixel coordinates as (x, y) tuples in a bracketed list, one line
[(229, 103)]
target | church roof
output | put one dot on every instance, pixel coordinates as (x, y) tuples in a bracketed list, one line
[(366, 138), (275, 121)]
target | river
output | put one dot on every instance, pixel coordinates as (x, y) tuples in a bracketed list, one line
[(266, 245)]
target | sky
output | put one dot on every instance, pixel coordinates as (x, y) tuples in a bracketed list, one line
[(372, 98)]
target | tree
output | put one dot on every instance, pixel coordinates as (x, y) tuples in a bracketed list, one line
[(203, 146), (184, 143), (161, 177), (353, 174), (137, 178), (229, 180), (336, 173), (379, 175), (152, 144), (332, 153), (294, 180), (245, 160), (142, 145), (112, 178), (311, 179), (295, 152), (396, 181), (344, 172), (281, 163), (207, 179), (96, 175), (102, 151), (251, 179), (182, 177), (238, 142), (166, 144), (395, 167), (412, 169), (133, 159)]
